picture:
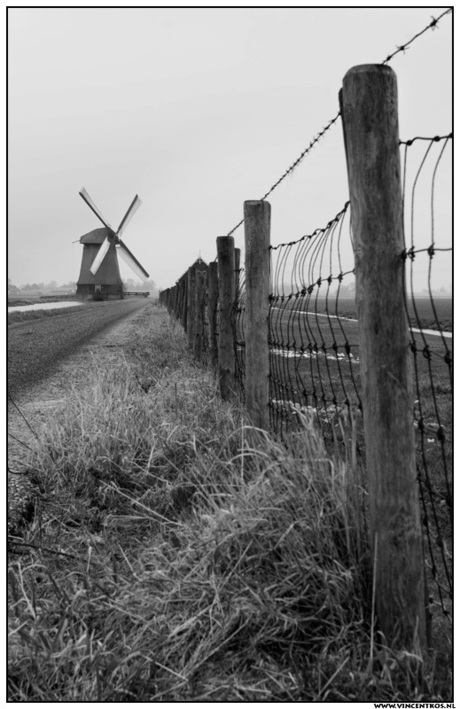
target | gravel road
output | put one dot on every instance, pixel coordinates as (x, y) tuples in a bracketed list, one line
[(35, 347), (45, 357)]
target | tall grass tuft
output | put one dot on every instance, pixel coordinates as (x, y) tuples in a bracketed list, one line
[(177, 554)]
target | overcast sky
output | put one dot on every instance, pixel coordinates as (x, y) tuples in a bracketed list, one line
[(195, 110)]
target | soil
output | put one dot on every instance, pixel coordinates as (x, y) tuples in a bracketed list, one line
[(39, 342), (31, 404)]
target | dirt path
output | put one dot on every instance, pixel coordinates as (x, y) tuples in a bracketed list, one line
[(36, 346), (29, 409)]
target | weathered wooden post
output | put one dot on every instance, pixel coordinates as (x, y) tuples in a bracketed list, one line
[(178, 300), (191, 301), (173, 300), (183, 314), (370, 120), (226, 354), (200, 294), (257, 265), (212, 312), (237, 270)]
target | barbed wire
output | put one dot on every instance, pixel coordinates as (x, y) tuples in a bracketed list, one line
[(292, 167), (402, 48), (433, 24)]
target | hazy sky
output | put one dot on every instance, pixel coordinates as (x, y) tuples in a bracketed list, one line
[(195, 110)]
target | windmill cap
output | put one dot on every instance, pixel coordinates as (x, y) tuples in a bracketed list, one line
[(96, 236)]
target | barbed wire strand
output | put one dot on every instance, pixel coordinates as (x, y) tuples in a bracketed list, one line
[(402, 48), (432, 25)]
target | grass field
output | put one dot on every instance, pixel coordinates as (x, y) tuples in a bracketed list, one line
[(175, 556), (421, 312)]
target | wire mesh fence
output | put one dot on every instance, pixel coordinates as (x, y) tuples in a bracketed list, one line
[(427, 193), (313, 342), (313, 338), (313, 331), (314, 353)]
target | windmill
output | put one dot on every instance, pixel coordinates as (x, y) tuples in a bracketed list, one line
[(100, 272)]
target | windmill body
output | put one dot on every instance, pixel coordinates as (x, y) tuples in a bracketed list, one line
[(107, 279), (100, 271)]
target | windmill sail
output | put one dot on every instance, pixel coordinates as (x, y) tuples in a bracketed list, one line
[(84, 195), (100, 267), (105, 246), (133, 207), (132, 261)]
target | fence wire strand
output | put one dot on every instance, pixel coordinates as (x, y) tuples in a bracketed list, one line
[(402, 48)]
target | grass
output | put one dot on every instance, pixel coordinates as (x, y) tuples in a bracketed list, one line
[(17, 316), (175, 554)]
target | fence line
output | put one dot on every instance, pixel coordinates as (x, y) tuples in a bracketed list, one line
[(324, 369)]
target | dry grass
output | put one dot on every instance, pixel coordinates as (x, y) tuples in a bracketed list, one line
[(178, 555)]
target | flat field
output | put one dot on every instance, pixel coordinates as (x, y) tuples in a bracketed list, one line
[(422, 312)]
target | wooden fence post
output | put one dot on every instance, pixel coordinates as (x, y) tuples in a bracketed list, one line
[(237, 270), (257, 266), (226, 353), (191, 278), (200, 332), (183, 312), (174, 300), (212, 312), (370, 120)]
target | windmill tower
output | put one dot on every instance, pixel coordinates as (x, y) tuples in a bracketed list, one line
[(100, 272)]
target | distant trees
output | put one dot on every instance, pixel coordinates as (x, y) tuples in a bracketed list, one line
[(30, 288), (348, 290), (12, 289), (129, 284)]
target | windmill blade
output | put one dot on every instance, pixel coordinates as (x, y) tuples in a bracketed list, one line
[(105, 246), (84, 195), (132, 209), (131, 260)]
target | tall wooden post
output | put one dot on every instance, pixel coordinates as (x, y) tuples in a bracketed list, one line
[(174, 300), (257, 265), (226, 353), (212, 312), (191, 301), (184, 284), (200, 335), (370, 120), (237, 270)]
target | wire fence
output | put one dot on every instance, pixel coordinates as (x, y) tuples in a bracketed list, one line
[(314, 361), (314, 356), (427, 189)]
